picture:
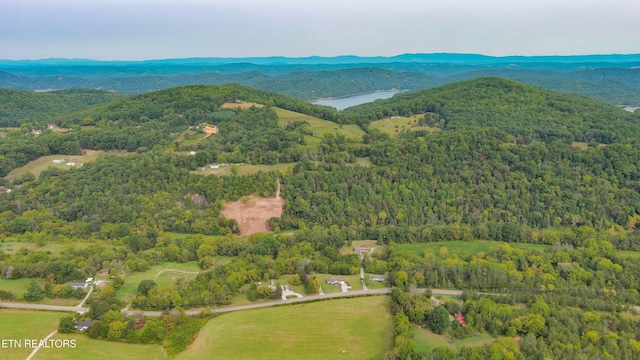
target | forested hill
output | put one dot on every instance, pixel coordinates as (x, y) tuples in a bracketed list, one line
[(19, 107), (521, 110), (195, 103)]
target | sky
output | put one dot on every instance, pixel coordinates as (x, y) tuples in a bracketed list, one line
[(159, 29)]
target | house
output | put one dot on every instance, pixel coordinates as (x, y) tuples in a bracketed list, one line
[(210, 129), (83, 325), (359, 250), (378, 278), (78, 285), (335, 281), (461, 319)]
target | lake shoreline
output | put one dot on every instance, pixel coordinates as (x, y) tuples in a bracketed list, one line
[(357, 94)]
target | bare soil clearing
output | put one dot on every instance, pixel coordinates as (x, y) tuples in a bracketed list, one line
[(240, 104), (252, 212)]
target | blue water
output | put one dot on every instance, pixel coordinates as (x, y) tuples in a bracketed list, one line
[(349, 101)]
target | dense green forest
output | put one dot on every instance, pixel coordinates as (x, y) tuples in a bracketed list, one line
[(504, 168), (19, 107), (524, 111)]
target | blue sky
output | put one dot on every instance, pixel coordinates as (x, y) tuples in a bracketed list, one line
[(155, 29)]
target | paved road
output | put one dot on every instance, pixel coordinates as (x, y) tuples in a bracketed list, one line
[(196, 311), (27, 306)]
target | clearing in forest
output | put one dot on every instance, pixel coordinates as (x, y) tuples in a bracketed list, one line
[(60, 161), (252, 212), (319, 126), (240, 104), (394, 125)]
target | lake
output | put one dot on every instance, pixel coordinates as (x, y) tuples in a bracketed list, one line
[(349, 101)]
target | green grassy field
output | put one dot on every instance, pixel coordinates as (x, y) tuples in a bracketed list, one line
[(364, 162), (246, 169), (19, 288), (87, 348), (39, 165), (131, 282), (394, 126), (25, 324), (358, 328), (465, 248), (426, 340), (12, 247), (319, 126)]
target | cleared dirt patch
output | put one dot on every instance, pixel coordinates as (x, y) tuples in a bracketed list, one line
[(252, 212), (239, 104)]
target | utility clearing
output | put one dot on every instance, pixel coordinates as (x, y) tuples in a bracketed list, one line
[(252, 212)]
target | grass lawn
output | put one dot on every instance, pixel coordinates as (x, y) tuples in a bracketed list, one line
[(394, 126), (319, 126), (25, 324), (353, 280), (358, 328), (426, 340), (87, 348), (39, 165), (17, 286), (246, 169), (131, 282), (464, 249)]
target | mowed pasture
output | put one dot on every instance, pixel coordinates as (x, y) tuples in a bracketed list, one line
[(464, 249), (41, 164), (357, 328), (393, 126), (320, 127), (87, 348), (25, 324), (164, 274), (246, 169), (426, 340)]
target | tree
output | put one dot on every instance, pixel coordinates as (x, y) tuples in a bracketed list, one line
[(439, 320), (34, 292), (67, 325), (145, 286)]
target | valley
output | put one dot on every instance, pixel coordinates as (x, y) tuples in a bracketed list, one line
[(375, 228)]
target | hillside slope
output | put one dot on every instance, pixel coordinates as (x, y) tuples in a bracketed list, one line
[(518, 109), (18, 107)]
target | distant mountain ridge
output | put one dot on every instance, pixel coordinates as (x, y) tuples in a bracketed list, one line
[(612, 78), (343, 59)]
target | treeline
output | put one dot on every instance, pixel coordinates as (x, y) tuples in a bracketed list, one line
[(520, 110)]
